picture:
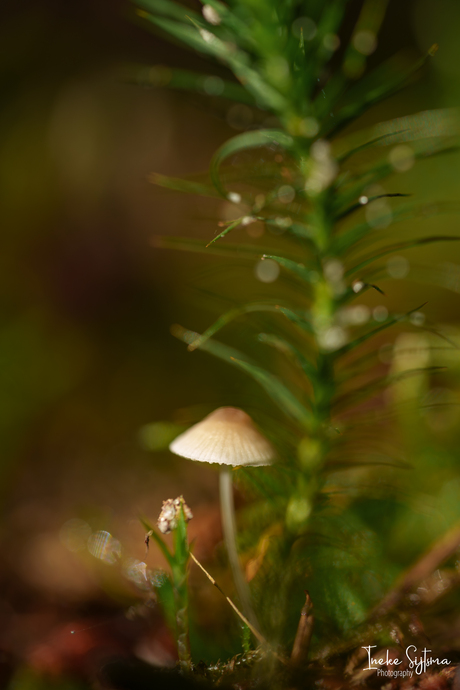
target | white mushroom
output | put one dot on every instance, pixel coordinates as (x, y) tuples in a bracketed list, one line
[(229, 437)]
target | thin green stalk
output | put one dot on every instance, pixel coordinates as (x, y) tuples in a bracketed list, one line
[(175, 598), (182, 620), (179, 572)]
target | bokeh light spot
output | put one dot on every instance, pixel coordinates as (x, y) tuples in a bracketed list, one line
[(305, 26), (74, 534), (102, 545), (267, 270), (365, 41)]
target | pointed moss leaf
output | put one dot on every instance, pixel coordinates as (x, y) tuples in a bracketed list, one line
[(358, 148), (302, 42), (282, 396), (354, 61), (254, 479), (442, 122), (236, 251), (184, 80), (247, 309), (247, 140), (299, 318), (180, 185), (443, 275), (195, 186), (169, 9), (370, 334), (331, 17), (384, 168), (300, 231), (355, 396), (228, 317), (204, 42), (440, 335), (317, 51), (231, 226), (201, 38), (348, 239), (379, 460), (400, 247), (221, 9), (351, 292), (295, 268), (230, 19), (446, 276), (375, 94), (215, 348), (187, 80), (266, 96), (359, 205), (292, 352), (374, 287)]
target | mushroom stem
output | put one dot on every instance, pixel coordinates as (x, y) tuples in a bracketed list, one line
[(229, 528)]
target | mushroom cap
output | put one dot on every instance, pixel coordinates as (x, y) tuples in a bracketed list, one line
[(227, 436)]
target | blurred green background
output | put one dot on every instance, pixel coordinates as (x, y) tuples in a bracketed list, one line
[(86, 354)]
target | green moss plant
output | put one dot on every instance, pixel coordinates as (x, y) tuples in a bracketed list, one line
[(314, 178), (173, 591)]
